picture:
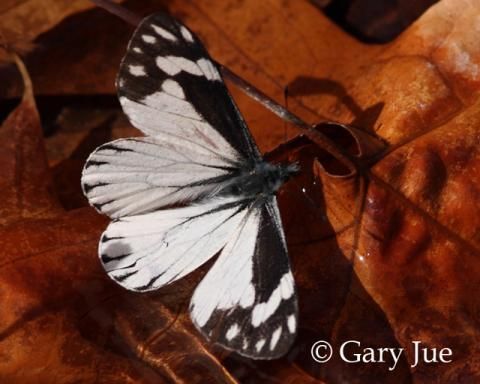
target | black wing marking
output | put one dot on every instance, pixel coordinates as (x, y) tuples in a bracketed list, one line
[(167, 83), (247, 301)]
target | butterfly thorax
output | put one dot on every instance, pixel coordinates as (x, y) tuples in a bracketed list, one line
[(264, 179)]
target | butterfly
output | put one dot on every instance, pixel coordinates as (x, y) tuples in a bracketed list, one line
[(195, 187)]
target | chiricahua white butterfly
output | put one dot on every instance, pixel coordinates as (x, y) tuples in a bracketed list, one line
[(193, 188)]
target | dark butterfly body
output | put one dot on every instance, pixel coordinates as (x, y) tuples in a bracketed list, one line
[(194, 187)]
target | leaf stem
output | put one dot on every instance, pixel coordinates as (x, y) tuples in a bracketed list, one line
[(118, 10)]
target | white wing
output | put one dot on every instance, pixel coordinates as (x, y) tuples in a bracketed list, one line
[(169, 87), (164, 115), (134, 176), (148, 251), (247, 300)]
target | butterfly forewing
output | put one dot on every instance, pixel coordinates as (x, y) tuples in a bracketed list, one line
[(168, 84)]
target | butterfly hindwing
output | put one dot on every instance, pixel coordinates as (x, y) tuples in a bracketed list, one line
[(247, 300), (148, 251), (168, 85)]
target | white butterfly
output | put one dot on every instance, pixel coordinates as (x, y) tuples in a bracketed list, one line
[(194, 187)]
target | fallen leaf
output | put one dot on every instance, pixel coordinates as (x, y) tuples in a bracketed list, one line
[(386, 257), (415, 246), (22, 21), (25, 20), (25, 186), (90, 65), (375, 21)]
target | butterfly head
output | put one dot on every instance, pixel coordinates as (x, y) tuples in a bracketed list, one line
[(275, 175)]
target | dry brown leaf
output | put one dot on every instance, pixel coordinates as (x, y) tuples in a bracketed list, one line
[(25, 185), (25, 20), (406, 269), (96, 43), (21, 21), (375, 21)]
